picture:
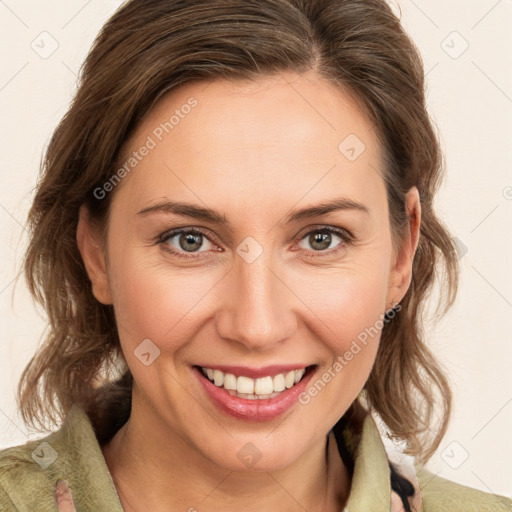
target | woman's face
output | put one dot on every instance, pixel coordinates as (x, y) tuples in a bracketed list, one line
[(253, 278)]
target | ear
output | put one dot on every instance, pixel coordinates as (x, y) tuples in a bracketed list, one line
[(401, 270), (92, 251)]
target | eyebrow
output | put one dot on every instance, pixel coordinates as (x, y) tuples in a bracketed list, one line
[(206, 214)]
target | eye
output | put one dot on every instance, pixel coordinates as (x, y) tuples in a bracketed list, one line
[(182, 241), (322, 238), (189, 240)]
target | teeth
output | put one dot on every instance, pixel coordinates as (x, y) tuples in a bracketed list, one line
[(251, 396), (218, 378), (299, 374), (230, 381), (245, 385), (279, 382), (289, 380), (263, 387)]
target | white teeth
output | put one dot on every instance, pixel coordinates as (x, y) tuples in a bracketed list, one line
[(263, 387), (244, 385), (299, 374), (278, 382), (230, 381), (218, 378)]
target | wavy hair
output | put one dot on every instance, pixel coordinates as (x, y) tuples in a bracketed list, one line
[(150, 47)]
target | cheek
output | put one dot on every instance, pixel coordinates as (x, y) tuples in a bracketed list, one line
[(359, 305), (348, 306), (345, 300), (347, 325), (155, 301)]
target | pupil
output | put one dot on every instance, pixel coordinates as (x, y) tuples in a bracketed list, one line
[(190, 239), (323, 238)]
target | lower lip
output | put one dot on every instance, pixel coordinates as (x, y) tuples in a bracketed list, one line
[(253, 410)]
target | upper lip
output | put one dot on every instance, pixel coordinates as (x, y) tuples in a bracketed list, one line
[(254, 373)]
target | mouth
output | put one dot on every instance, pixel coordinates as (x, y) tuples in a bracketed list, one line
[(261, 388), (254, 399)]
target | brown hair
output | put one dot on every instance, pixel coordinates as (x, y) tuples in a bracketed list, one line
[(148, 48)]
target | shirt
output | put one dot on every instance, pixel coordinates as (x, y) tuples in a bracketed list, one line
[(68, 466)]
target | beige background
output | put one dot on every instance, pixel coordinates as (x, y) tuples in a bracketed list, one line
[(470, 99)]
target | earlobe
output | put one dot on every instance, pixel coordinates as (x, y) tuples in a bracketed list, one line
[(91, 250), (401, 272)]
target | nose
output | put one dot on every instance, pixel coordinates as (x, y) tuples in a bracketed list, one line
[(257, 305)]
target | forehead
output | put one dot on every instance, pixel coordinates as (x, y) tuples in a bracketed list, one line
[(280, 133)]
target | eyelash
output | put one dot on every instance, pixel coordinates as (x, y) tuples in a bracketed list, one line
[(346, 237)]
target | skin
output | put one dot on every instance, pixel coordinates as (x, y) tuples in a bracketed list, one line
[(253, 151)]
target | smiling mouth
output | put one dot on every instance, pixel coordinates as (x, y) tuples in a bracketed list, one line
[(253, 389)]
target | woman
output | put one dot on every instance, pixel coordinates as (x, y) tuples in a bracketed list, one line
[(233, 238)]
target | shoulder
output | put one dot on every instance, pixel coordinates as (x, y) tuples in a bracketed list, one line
[(439, 495), (30, 474), (23, 478)]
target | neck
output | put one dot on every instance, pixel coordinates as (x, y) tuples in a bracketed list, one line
[(163, 471)]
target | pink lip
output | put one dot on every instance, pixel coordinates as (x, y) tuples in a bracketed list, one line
[(254, 373), (253, 410)]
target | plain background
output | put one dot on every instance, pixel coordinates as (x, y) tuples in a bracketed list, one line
[(466, 50)]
